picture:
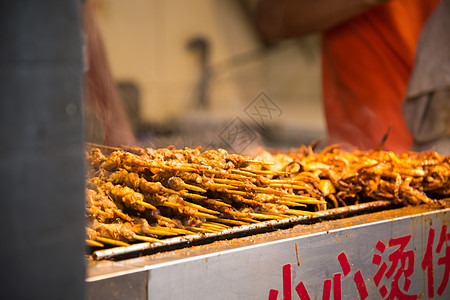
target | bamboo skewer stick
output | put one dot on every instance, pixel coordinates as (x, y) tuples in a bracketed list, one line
[(273, 192), (265, 190), (218, 225), (287, 181), (166, 231), (249, 220), (245, 173), (146, 239), (231, 222), (204, 215), (212, 227), (145, 204), (277, 214), (216, 202), (302, 213), (295, 186), (248, 201), (265, 216), (180, 231), (215, 186), (169, 191), (94, 243), (157, 231), (237, 214), (122, 215), (171, 204), (240, 193), (228, 175), (183, 168), (200, 229), (290, 203), (304, 199), (267, 172), (193, 188), (168, 220), (192, 196), (168, 167), (200, 208), (232, 182), (111, 241)]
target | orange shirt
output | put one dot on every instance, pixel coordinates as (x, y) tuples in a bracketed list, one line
[(366, 64)]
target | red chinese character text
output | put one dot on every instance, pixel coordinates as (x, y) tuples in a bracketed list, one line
[(444, 259), (328, 284), (401, 265)]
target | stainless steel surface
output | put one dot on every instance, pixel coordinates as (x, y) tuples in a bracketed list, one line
[(117, 252), (304, 261)]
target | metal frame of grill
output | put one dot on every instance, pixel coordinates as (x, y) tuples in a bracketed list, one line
[(118, 253), (254, 265)]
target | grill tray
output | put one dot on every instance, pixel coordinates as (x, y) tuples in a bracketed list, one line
[(119, 253)]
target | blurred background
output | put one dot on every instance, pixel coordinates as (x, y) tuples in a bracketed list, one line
[(196, 73)]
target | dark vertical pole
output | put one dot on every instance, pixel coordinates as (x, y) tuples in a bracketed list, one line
[(201, 45), (41, 157)]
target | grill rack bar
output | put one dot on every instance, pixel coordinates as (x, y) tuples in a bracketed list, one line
[(118, 253)]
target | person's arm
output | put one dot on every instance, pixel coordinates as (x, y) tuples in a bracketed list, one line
[(277, 19), (102, 94)]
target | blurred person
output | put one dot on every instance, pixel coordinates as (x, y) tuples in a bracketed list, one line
[(368, 53), (102, 95), (427, 104)]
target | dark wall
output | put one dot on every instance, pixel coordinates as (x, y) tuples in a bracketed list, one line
[(41, 157)]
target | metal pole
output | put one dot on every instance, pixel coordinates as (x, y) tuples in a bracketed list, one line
[(41, 151)]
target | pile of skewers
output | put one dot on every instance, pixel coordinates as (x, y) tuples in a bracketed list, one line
[(346, 178), (148, 195)]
